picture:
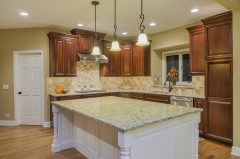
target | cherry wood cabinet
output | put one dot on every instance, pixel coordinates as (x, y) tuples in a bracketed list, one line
[(218, 31), (136, 95), (197, 49), (95, 95), (86, 40), (200, 103), (113, 67), (62, 53), (219, 93), (125, 94), (69, 97), (113, 94), (131, 60), (126, 59), (157, 98)]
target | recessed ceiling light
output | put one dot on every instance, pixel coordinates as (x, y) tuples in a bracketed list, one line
[(194, 10), (24, 13), (79, 24), (124, 33), (152, 24)]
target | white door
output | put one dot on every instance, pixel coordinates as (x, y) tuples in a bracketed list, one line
[(29, 89)]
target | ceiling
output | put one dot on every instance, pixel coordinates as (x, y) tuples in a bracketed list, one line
[(66, 14)]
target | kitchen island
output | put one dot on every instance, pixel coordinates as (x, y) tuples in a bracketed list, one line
[(113, 128)]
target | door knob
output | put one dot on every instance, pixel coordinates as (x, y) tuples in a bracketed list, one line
[(19, 92)]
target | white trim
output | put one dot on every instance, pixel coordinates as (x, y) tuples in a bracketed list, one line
[(15, 66), (164, 73), (235, 151), (7, 123), (46, 124)]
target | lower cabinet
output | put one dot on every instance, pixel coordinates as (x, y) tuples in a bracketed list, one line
[(157, 98), (200, 103), (94, 95), (113, 94), (138, 96), (125, 94), (68, 97)]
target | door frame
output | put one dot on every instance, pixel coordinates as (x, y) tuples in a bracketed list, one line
[(16, 55)]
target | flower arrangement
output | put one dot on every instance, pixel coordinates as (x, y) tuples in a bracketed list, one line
[(173, 75)]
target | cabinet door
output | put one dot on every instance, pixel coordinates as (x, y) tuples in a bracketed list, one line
[(197, 50), (115, 63), (94, 95), (200, 103), (136, 95), (68, 97), (158, 98), (70, 57), (138, 61), (126, 60), (86, 44), (57, 63), (125, 94), (219, 92), (218, 35)]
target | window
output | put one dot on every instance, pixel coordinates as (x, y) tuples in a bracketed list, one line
[(180, 60)]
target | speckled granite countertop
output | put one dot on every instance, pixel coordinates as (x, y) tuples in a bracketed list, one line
[(139, 91), (125, 114)]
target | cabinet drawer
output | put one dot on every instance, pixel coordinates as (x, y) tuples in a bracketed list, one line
[(158, 98), (113, 94), (137, 95), (94, 95), (125, 94), (68, 97)]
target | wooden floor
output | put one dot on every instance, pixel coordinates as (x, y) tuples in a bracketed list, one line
[(34, 142)]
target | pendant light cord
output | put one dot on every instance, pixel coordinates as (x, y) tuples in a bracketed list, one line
[(95, 21), (115, 26), (142, 27)]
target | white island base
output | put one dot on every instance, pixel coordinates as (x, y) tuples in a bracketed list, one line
[(172, 139)]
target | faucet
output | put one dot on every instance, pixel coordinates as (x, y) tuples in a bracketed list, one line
[(170, 84)]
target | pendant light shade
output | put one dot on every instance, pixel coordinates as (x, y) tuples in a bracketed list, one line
[(142, 38), (115, 44), (96, 50)]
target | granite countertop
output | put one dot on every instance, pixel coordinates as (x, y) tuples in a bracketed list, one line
[(138, 91), (125, 114)]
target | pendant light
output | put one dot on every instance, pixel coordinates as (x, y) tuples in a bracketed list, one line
[(96, 50), (142, 38), (115, 44)]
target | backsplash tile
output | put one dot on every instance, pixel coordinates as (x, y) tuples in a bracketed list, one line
[(88, 79)]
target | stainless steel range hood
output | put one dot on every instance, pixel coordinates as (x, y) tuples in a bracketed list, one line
[(92, 58)]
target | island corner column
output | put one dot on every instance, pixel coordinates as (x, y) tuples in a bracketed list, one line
[(125, 143), (55, 145)]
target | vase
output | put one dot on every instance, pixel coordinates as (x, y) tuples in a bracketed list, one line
[(174, 81)]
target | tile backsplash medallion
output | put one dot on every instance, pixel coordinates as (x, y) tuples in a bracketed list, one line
[(88, 79)]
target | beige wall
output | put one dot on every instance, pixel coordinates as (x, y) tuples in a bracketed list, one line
[(234, 6), (174, 39), (16, 40)]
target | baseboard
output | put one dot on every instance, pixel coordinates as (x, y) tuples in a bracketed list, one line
[(235, 151), (46, 124), (7, 123)]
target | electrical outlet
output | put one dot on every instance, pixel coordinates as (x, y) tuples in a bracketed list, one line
[(7, 115)]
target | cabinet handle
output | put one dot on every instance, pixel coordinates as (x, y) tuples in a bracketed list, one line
[(220, 102)]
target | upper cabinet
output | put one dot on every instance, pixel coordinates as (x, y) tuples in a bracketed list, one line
[(218, 35), (86, 40), (197, 49), (126, 59), (132, 60), (62, 52)]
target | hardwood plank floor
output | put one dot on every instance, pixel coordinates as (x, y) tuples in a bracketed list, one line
[(34, 142)]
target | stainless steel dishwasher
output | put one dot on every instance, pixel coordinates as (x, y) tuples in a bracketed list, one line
[(182, 101)]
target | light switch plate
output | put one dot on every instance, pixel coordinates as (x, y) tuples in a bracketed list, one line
[(5, 86)]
